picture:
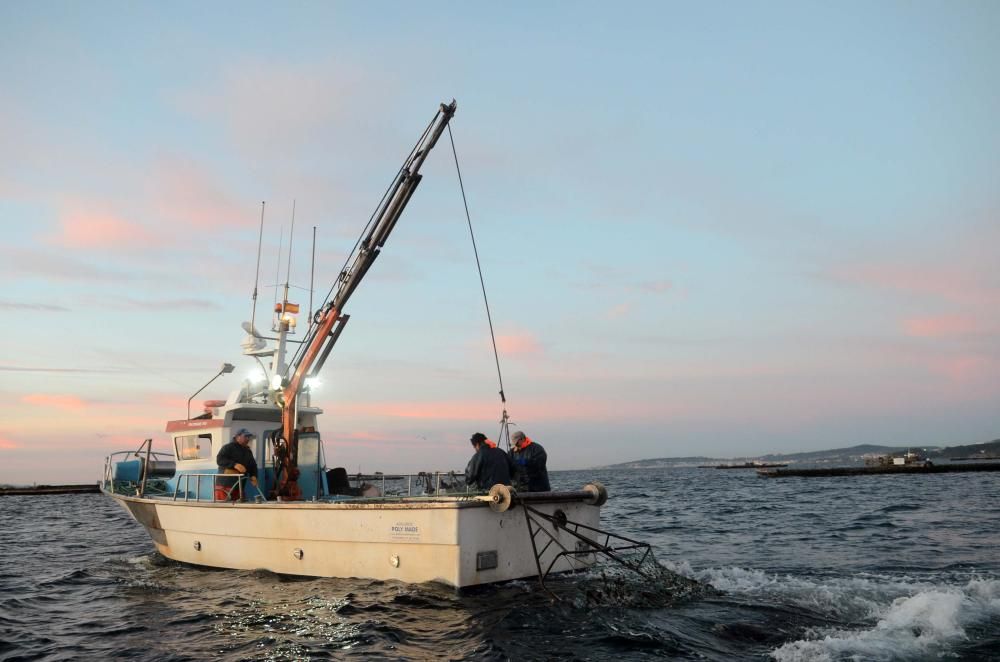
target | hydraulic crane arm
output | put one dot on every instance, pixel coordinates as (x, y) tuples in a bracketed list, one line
[(328, 320)]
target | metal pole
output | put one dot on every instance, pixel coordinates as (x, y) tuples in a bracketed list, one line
[(312, 276), (256, 281), (145, 467)]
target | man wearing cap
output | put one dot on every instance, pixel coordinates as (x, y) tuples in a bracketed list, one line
[(237, 458), (488, 466), (529, 459)]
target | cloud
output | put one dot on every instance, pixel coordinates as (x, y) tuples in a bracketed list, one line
[(65, 402), (964, 369), (187, 193), (949, 284), (15, 368), (601, 277), (20, 263), (938, 327), (174, 402), (172, 304), (371, 439), (656, 286), (37, 307), (452, 411), (280, 106), (578, 407), (619, 311), (8, 445), (85, 229), (518, 345)]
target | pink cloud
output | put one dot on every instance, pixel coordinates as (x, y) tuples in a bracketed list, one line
[(172, 402), (454, 411), (942, 326), (82, 229), (65, 402), (7, 444), (657, 286), (950, 284), (576, 408), (621, 310), (381, 440), (963, 369), (518, 344), (187, 193), (586, 408)]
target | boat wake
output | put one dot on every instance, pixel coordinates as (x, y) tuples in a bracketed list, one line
[(657, 586), (891, 618)]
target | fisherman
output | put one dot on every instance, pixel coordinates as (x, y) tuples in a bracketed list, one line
[(488, 466), (235, 458), (529, 460)]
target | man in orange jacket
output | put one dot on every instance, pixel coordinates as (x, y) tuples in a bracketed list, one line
[(529, 459), (489, 466)]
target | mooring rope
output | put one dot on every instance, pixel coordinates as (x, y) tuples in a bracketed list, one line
[(504, 432)]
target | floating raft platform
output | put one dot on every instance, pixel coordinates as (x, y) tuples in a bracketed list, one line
[(88, 488), (867, 471), (748, 465)]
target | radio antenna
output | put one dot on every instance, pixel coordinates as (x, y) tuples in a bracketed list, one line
[(256, 279), (312, 275), (291, 232), (277, 271)]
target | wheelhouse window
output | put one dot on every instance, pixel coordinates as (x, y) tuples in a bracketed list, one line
[(310, 449), (194, 446)]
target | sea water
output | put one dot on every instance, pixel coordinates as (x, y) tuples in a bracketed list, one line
[(850, 568)]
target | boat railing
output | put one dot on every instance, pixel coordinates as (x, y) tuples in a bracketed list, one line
[(229, 483), (424, 483), (199, 487), (146, 457)]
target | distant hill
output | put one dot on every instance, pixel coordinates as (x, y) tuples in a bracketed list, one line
[(837, 456), (989, 450)]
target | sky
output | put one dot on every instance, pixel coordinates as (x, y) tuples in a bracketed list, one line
[(706, 228)]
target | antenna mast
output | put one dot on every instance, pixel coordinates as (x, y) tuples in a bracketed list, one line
[(256, 278), (312, 276)]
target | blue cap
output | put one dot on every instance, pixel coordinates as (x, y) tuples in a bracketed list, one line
[(244, 431)]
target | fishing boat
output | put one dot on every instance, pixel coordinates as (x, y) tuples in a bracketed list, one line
[(910, 458), (296, 516)]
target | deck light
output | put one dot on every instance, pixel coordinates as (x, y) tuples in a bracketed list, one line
[(224, 370)]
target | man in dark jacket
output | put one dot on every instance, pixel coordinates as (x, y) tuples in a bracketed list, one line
[(529, 461), (488, 466), (236, 458)]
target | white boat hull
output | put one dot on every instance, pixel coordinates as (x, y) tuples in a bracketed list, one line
[(448, 540)]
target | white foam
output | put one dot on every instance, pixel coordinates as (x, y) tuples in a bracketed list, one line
[(853, 598), (917, 624)]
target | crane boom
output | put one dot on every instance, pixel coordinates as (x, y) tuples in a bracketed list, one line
[(329, 320)]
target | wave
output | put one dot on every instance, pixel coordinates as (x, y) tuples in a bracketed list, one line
[(925, 624), (897, 617)]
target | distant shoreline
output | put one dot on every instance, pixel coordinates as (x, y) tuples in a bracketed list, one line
[(87, 488), (853, 455)]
